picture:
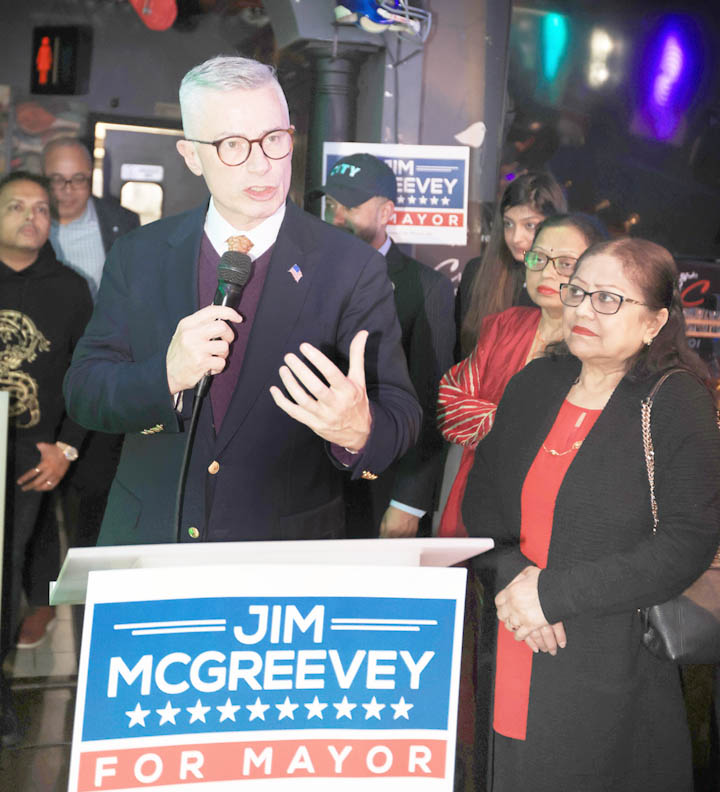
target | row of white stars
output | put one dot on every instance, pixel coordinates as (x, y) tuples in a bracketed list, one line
[(257, 710), (411, 199)]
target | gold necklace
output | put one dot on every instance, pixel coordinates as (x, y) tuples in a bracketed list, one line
[(553, 452)]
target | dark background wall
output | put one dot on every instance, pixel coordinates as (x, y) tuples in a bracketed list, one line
[(622, 103)]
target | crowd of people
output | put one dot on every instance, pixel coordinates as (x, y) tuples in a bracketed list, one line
[(335, 392)]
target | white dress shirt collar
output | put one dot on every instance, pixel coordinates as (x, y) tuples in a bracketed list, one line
[(383, 249), (262, 236)]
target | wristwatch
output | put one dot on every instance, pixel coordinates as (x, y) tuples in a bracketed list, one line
[(70, 453)]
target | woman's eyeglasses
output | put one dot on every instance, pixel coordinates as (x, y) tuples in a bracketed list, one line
[(604, 302), (536, 261)]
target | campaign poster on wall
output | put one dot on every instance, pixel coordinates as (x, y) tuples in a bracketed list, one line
[(432, 189), (282, 677)]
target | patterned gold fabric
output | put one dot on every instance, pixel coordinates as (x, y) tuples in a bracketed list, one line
[(240, 243)]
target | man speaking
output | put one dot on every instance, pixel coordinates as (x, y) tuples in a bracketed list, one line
[(309, 376)]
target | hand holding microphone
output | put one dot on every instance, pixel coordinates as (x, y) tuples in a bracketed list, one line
[(201, 343)]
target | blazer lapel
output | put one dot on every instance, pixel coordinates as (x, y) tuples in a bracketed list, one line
[(182, 264), (280, 305), (395, 263)]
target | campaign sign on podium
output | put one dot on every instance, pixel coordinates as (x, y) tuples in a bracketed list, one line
[(283, 677)]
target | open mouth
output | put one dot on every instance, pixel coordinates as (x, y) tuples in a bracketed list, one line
[(261, 193)]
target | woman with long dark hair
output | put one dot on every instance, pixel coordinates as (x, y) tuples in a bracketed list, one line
[(493, 282)]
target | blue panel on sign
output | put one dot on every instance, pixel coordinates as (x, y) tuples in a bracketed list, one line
[(245, 663)]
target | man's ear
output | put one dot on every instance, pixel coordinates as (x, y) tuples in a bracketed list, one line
[(387, 210), (187, 151)]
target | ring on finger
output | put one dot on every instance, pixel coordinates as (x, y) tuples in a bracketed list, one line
[(49, 483)]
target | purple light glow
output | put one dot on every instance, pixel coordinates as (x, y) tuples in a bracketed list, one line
[(670, 75), (671, 66)]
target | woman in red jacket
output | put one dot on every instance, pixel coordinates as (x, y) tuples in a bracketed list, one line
[(470, 391)]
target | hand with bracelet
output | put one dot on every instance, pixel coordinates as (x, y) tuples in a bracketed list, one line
[(55, 459)]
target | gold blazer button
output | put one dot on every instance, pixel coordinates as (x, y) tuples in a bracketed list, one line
[(193, 532), (213, 467)]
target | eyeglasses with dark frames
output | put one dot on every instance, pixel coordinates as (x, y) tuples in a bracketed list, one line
[(76, 180), (537, 261), (603, 302), (235, 149)]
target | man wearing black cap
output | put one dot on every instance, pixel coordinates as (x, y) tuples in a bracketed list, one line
[(360, 196)]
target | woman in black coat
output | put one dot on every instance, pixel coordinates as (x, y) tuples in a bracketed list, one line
[(560, 483)]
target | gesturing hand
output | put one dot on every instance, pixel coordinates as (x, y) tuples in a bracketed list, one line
[(339, 412), (199, 346), (48, 472)]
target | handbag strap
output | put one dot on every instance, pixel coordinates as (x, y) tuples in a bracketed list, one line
[(646, 408)]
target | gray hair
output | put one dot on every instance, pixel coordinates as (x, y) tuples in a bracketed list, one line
[(225, 73), (66, 142)]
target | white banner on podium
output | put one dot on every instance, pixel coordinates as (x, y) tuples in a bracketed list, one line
[(283, 677)]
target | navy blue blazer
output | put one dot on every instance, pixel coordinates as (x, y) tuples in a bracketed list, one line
[(275, 478)]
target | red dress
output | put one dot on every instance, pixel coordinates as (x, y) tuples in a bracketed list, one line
[(470, 391), (542, 483)]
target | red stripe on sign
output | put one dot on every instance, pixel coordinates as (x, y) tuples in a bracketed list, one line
[(431, 219), (143, 768)]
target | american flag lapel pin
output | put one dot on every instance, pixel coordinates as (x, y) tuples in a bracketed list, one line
[(296, 272)]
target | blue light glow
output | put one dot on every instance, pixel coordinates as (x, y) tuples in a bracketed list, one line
[(555, 42)]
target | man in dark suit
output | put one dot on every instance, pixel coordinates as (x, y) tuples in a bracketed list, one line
[(309, 381), (360, 196)]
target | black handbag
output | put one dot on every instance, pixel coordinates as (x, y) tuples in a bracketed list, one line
[(685, 629)]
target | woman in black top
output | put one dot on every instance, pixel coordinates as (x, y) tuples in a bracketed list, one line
[(569, 509)]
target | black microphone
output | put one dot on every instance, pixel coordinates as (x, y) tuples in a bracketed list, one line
[(233, 273)]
